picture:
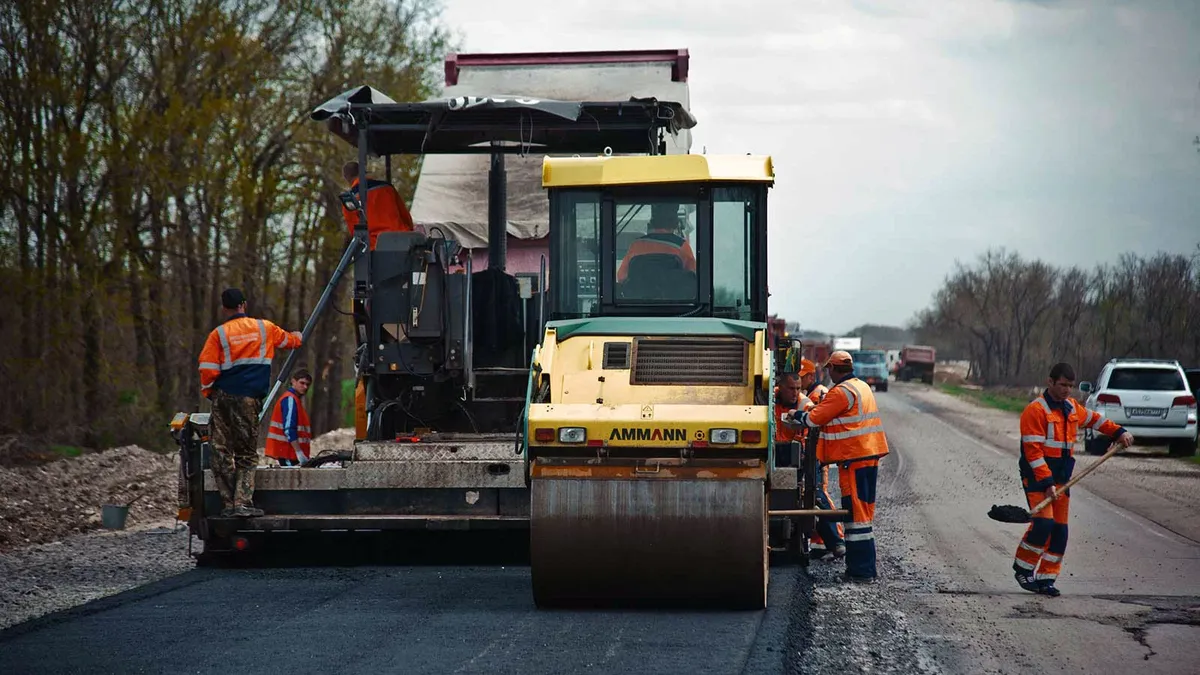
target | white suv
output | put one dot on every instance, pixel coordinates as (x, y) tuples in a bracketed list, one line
[(1150, 398)]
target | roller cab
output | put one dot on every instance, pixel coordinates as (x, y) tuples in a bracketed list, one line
[(649, 426)]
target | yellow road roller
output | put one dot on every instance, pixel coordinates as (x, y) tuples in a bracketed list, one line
[(648, 432)]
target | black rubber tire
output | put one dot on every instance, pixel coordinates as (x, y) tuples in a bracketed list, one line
[(1096, 445), (882, 387), (1182, 448)]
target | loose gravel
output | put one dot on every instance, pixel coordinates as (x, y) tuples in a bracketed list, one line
[(54, 554), (59, 575)]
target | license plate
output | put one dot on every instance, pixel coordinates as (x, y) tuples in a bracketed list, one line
[(1145, 412)]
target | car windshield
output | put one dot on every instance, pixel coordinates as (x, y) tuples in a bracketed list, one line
[(869, 357), (1146, 379)]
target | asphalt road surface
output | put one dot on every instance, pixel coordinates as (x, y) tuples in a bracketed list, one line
[(946, 601)]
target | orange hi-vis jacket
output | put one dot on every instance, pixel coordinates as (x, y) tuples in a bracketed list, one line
[(784, 433), (289, 422), (657, 241), (386, 211), (237, 356), (850, 425), (1048, 432)]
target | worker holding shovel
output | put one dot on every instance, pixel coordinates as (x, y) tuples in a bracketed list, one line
[(1049, 428)]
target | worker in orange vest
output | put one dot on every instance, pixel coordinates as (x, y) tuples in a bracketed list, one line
[(1049, 429), (235, 375), (852, 437), (829, 537), (290, 433), (663, 235), (386, 211)]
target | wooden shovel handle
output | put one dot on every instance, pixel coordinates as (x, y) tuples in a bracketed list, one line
[(1112, 450)]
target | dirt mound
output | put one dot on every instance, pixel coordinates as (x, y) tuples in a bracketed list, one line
[(49, 501), (338, 439)]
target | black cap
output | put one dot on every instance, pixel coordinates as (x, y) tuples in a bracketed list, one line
[(231, 298)]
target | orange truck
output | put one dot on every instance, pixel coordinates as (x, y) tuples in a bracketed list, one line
[(916, 362)]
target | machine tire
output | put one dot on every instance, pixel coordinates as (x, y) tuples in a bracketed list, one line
[(882, 387), (1182, 448), (1096, 445)]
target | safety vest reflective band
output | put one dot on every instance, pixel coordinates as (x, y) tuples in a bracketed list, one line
[(855, 430), (288, 412)]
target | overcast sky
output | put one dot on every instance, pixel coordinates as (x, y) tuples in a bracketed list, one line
[(907, 134)]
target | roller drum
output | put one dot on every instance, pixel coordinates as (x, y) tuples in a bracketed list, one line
[(651, 541)]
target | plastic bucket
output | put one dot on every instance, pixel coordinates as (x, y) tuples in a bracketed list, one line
[(112, 517)]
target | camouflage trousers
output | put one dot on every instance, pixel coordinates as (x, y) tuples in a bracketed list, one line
[(234, 430)]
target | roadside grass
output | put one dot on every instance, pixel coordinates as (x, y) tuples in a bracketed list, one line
[(66, 450), (991, 399)]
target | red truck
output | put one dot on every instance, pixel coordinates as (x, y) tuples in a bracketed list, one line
[(916, 362)]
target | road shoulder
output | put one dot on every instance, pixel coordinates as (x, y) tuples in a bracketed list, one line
[(1143, 481)]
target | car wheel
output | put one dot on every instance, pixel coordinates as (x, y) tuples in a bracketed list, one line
[(1183, 448), (883, 387)]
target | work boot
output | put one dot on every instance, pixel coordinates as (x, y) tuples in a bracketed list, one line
[(1026, 581), (227, 512), (852, 579), (247, 512), (839, 552), (1046, 587)]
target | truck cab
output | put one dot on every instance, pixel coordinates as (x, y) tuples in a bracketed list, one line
[(870, 366)]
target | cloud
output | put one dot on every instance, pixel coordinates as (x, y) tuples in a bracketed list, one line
[(910, 133)]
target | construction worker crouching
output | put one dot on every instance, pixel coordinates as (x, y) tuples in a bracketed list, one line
[(290, 433), (852, 437), (829, 537), (235, 375), (1049, 429)]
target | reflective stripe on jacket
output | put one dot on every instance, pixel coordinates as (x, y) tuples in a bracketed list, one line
[(658, 242), (386, 211), (289, 422), (850, 424), (237, 356), (1049, 430)]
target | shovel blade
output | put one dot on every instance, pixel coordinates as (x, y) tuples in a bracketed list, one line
[(1009, 514)]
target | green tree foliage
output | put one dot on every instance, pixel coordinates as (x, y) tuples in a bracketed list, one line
[(158, 151), (1014, 317)]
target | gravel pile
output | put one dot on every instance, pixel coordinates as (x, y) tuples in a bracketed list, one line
[(49, 501), (54, 554)]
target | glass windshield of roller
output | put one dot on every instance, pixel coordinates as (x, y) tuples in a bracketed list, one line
[(663, 249)]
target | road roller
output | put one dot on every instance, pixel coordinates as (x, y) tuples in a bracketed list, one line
[(648, 431)]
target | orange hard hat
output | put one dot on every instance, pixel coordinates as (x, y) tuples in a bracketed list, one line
[(807, 367), (840, 358)]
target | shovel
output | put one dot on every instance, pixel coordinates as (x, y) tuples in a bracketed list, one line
[(1015, 514)]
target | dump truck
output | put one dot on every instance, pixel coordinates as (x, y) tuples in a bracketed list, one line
[(916, 362), (649, 430)]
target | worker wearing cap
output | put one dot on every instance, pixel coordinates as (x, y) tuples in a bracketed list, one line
[(1049, 428), (829, 536), (386, 211), (290, 433), (663, 235), (852, 437), (235, 376)]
